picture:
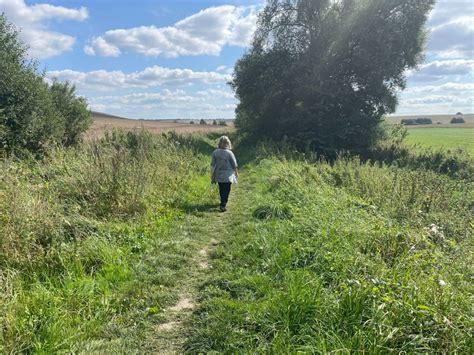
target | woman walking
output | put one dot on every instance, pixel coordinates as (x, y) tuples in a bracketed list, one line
[(224, 169)]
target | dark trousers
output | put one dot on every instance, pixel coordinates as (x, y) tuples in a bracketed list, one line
[(224, 191)]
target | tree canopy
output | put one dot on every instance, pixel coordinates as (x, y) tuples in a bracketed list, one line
[(33, 113), (323, 73)]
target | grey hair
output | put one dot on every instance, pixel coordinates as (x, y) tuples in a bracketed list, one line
[(224, 143)]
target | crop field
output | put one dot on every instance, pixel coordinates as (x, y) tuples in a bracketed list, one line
[(443, 138), (103, 122)]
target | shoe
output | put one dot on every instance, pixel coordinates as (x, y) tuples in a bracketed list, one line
[(222, 209)]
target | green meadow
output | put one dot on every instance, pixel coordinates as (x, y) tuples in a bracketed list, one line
[(117, 246), (443, 138)]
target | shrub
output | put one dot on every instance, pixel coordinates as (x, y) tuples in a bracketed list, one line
[(456, 120), (416, 121), (214, 123), (202, 122), (73, 110), (222, 123)]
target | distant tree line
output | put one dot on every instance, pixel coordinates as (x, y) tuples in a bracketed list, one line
[(416, 121), (34, 113), (322, 74)]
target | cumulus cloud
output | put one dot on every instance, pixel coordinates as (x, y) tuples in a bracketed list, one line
[(203, 33), (168, 104), (447, 98), (443, 70), (33, 19), (147, 78), (452, 29)]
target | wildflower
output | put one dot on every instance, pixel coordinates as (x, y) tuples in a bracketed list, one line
[(442, 283)]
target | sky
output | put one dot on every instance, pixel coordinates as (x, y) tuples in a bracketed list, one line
[(172, 59)]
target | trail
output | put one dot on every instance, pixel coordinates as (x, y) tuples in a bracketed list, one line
[(207, 230)]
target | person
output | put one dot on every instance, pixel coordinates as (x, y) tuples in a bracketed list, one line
[(224, 169)]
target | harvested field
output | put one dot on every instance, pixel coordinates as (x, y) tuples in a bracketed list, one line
[(103, 122)]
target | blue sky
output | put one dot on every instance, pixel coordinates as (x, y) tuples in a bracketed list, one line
[(171, 59)]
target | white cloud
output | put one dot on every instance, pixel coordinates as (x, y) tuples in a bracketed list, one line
[(452, 29), (447, 98), (168, 104), (100, 47), (147, 78), (443, 70), (204, 33), (33, 23), (216, 93)]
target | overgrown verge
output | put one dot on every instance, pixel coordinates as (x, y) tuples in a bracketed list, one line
[(90, 240), (342, 257)]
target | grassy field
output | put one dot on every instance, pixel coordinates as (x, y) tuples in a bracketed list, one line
[(443, 138), (116, 247)]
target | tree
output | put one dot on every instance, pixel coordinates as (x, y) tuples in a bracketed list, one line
[(323, 73), (202, 122), (33, 113), (73, 110)]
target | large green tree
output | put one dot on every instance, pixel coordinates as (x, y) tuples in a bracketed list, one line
[(34, 114), (323, 73)]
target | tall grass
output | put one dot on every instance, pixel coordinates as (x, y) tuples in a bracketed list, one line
[(75, 225), (368, 258)]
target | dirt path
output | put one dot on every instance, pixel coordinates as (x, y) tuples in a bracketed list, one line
[(207, 229)]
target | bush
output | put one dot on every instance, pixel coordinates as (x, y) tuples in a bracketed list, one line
[(214, 123), (73, 110), (456, 120), (202, 122), (34, 115), (222, 123), (416, 121)]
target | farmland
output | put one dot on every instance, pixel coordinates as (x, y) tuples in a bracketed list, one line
[(438, 120), (443, 138), (104, 122)]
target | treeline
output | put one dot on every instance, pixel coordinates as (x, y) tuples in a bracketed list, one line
[(34, 113)]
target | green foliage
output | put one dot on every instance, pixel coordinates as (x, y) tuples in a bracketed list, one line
[(202, 122), (322, 74), (416, 121), (81, 231), (33, 114), (373, 260), (222, 123), (73, 110)]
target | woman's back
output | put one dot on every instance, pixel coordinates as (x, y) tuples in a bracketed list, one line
[(224, 164)]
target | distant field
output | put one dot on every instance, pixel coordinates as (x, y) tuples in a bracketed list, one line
[(104, 122), (442, 119), (443, 138)]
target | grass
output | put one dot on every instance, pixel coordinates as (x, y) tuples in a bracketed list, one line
[(365, 258), (99, 242), (443, 138), (93, 243)]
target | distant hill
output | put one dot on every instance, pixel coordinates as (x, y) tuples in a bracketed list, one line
[(101, 115)]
